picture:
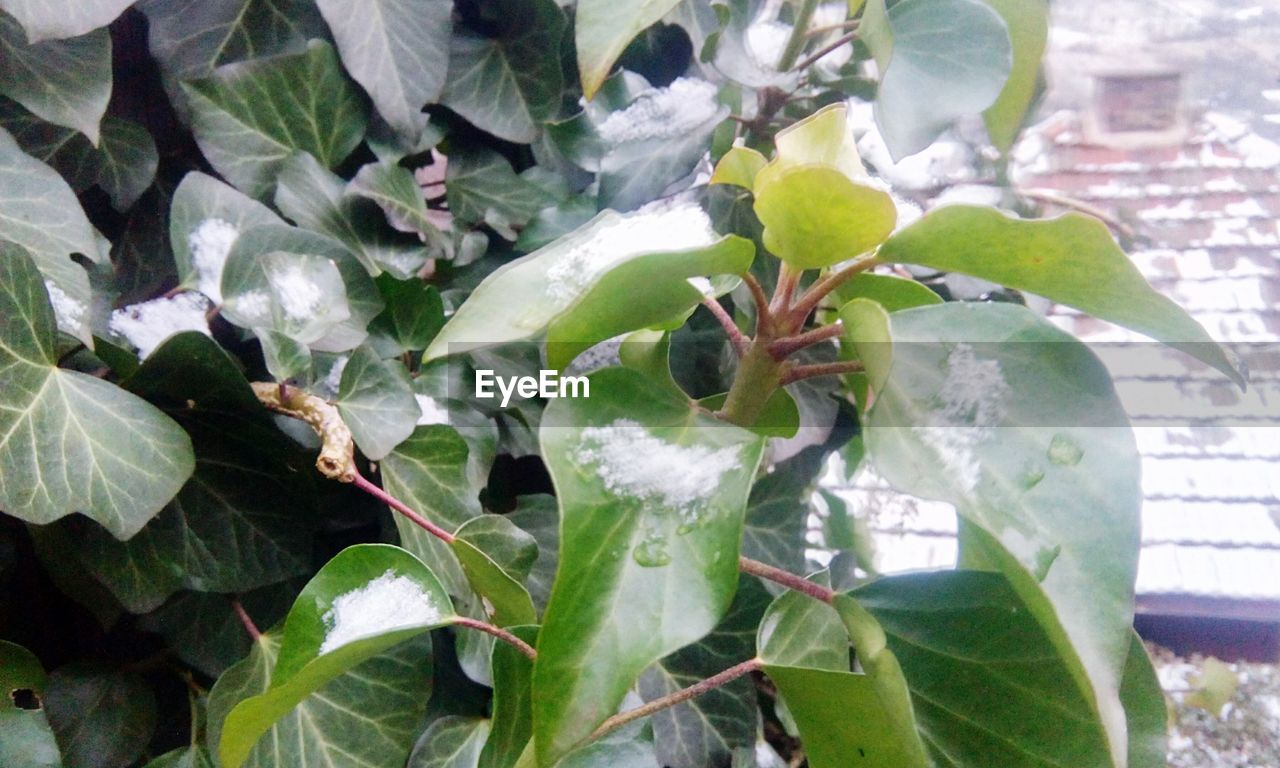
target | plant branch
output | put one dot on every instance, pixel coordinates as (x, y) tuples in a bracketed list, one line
[(781, 348), (498, 632), (672, 699), (818, 31), (402, 508), (245, 619), (1053, 198), (785, 291), (731, 328), (839, 42), (799, 372), (787, 579), (758, 296), (799, 35), (828, 283)]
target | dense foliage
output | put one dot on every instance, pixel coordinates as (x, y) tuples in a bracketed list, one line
[(255, 251)]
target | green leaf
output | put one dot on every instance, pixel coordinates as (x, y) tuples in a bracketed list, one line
[(739, 166), (316, 199), (482, 189), (397, 193), (368, 715), (508, 84), (67, 82), (580, 289), (512, 723), (540, 518), (194, 756), (1053, 499), (1215, 684), (1144, 703), (1071, 259), (128, 162), (397, 49), (59, 19), (42, 215), (450, 742), (201, 201), (1028, 25), (706, 730), (241, 522), (776, 514), (892, 293), (413, 316), (365, 600), (102, 717), (375, 398), (205, 631), (74, 443), (250, 117), (960, 632), (66, 150), (815, 216), (798, 631), (940, 60), (26, 739), (496, 557), (866, 330), (651, 520), (603, 28)]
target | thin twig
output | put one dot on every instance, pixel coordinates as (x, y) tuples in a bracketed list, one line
[(731, 328), (819, 31), (828, 283), (402, 508), (498, 632), (781, 348), (679, 697), (789, 580), (824, 50), (799, 372), (1053, 198), (245, 619), (799, 35)]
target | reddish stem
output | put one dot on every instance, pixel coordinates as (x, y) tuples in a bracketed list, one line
[(245, 619), (788, 345), (759, 297), (402, 508), (787, 579), (797, 372), (679, 697), (731, 328), (498, 632), (825, 285)]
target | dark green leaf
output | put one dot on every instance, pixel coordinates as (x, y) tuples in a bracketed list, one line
[(1071, 259), (450, 742), (512, 723), (26, 740), (776, 516), (250, 117), (204, 630), (397, 49), (376, 401), (540, 517), (58, 19), (102, 718), (1144, 704), (413, 316), (67, 82), (398, 195), (129, 162), (367, 599), (510, 83), (892, 293), (651, 520), (483, 189), (120, 471)]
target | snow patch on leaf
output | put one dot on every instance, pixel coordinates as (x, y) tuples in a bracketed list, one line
[(147, 325), (68, 311), (387, 603), (299, 296), (433, 412), (210, 242), (971, 403), (662, 113)]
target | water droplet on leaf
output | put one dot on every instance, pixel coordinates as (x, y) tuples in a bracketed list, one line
[(651, 553), (1064, 451)]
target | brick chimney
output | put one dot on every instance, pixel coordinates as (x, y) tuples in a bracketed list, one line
[(1136, 109)]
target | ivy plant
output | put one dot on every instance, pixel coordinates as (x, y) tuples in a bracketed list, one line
[(257, 258)]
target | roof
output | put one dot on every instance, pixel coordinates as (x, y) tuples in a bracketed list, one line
[(1205, 212)]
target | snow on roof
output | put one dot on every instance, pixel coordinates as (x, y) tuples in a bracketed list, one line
[(662, 113), (387, 603), (210, 242), (145, 326)]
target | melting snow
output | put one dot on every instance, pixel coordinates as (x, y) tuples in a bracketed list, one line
[(210, 242), (333, 378), (633, 463), (972, 402), (299, 296), (387, 603), (662, 113), (148, 324), (652, 229), (433, 412), (68, 311)]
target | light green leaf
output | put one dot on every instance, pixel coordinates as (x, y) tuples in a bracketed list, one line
[(241, 522), (866, 330), (815, 216), (496, 557), (482, 189), (316, 199), (1028, 24), (365, 600), (939, 60), (823, 139), (369, 715), (71, 442), (798, 631), (397, 49), (603, 28), (1071, 259), (42, 214), (512, 723), (580, 289), (957, 633), (375, 398), (101, 716), (651, 520), (1144, 703), (993, 409), (199, 201), (892, 293), (26, 740), (59, 19), (129, 162), (397, 193), (510, 83), (739, 166), (250, 117), (67, 82), (450, 742)]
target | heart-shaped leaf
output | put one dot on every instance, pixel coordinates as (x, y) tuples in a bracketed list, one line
[(603, 28), (59, 19), (375, 398), (365, 600), (651, 521), (120, 471), (496, 556), (66, 82)]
